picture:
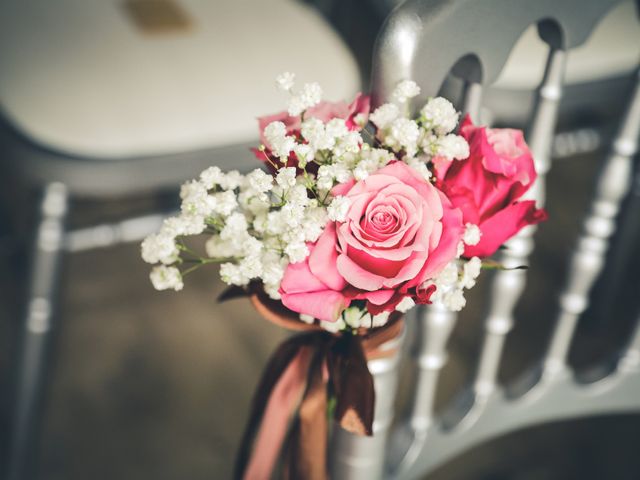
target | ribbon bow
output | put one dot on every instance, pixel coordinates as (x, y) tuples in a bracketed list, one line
[(289, 409)]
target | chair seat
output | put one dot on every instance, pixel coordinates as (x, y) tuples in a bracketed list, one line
[(85, 79), (612, 50)]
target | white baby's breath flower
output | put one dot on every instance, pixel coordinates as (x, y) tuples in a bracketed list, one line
[(315, 219), (193, 224), (314, 131), (211, 177), (380, 155), (470, 272), (226, 202), (324, 179), (341, 173), (291, 215), (283, 146), (404, 133), (165, 278), (196, 201), (272, 291), (174, 227), (285, 80), (472, 234), (405, 90), (273, 266), (235, 227), (360, 119), (336, 128), (231, 274), (311, 129), (279, 142), (260, 181), (297, 196), (419, 166), (352, 316), (261, 222), (349, 143), (250, 267), (293, 235), (405, 304), (453, 147), (363, 169), (454, 300), (448, 275), (254, 202), (296, 106), (275, 131), (216, 247), (338, 208), (384, 115), (310, 96), (251, 246), (275, 223), (286, 177), (333, 327), (440, 115), (304, 152), (307, 318), (296, 251), (232, 180), (159, 248), (312, 93), (380, 320)]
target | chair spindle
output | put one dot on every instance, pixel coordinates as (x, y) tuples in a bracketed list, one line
[(588, 259), (508, 285), (472, 100)]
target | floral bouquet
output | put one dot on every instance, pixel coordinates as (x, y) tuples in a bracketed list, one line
[(355, 218)]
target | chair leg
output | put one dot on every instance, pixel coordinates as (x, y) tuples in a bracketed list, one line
[(46, 252)]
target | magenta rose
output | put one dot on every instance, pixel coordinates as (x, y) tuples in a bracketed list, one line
[(487, 185), (314, 287)]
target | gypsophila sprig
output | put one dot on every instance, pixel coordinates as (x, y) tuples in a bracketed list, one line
[(357, 214)]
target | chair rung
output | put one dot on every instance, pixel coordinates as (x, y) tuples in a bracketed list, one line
[(109, 234)]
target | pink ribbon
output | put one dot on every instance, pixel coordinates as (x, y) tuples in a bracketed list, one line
[(284, 398)]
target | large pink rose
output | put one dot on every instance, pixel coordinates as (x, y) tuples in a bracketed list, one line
[(314, 287), (399, 232), (485, 186)]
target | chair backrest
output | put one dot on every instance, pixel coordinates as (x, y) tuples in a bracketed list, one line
[(426, 40)]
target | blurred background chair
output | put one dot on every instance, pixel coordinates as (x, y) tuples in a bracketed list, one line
[(466, 44), (104, 100)]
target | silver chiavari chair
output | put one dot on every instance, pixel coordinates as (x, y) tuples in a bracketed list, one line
[(427, 40)]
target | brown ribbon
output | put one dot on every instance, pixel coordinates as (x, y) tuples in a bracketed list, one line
[(337, 364)]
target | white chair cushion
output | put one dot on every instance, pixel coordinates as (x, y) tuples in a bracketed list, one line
[(80, 77), (613, 49)]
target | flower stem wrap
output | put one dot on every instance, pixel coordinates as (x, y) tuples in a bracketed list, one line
[(288, 416)]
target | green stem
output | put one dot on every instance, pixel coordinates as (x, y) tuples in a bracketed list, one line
[(200, 262), (491, 265)]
